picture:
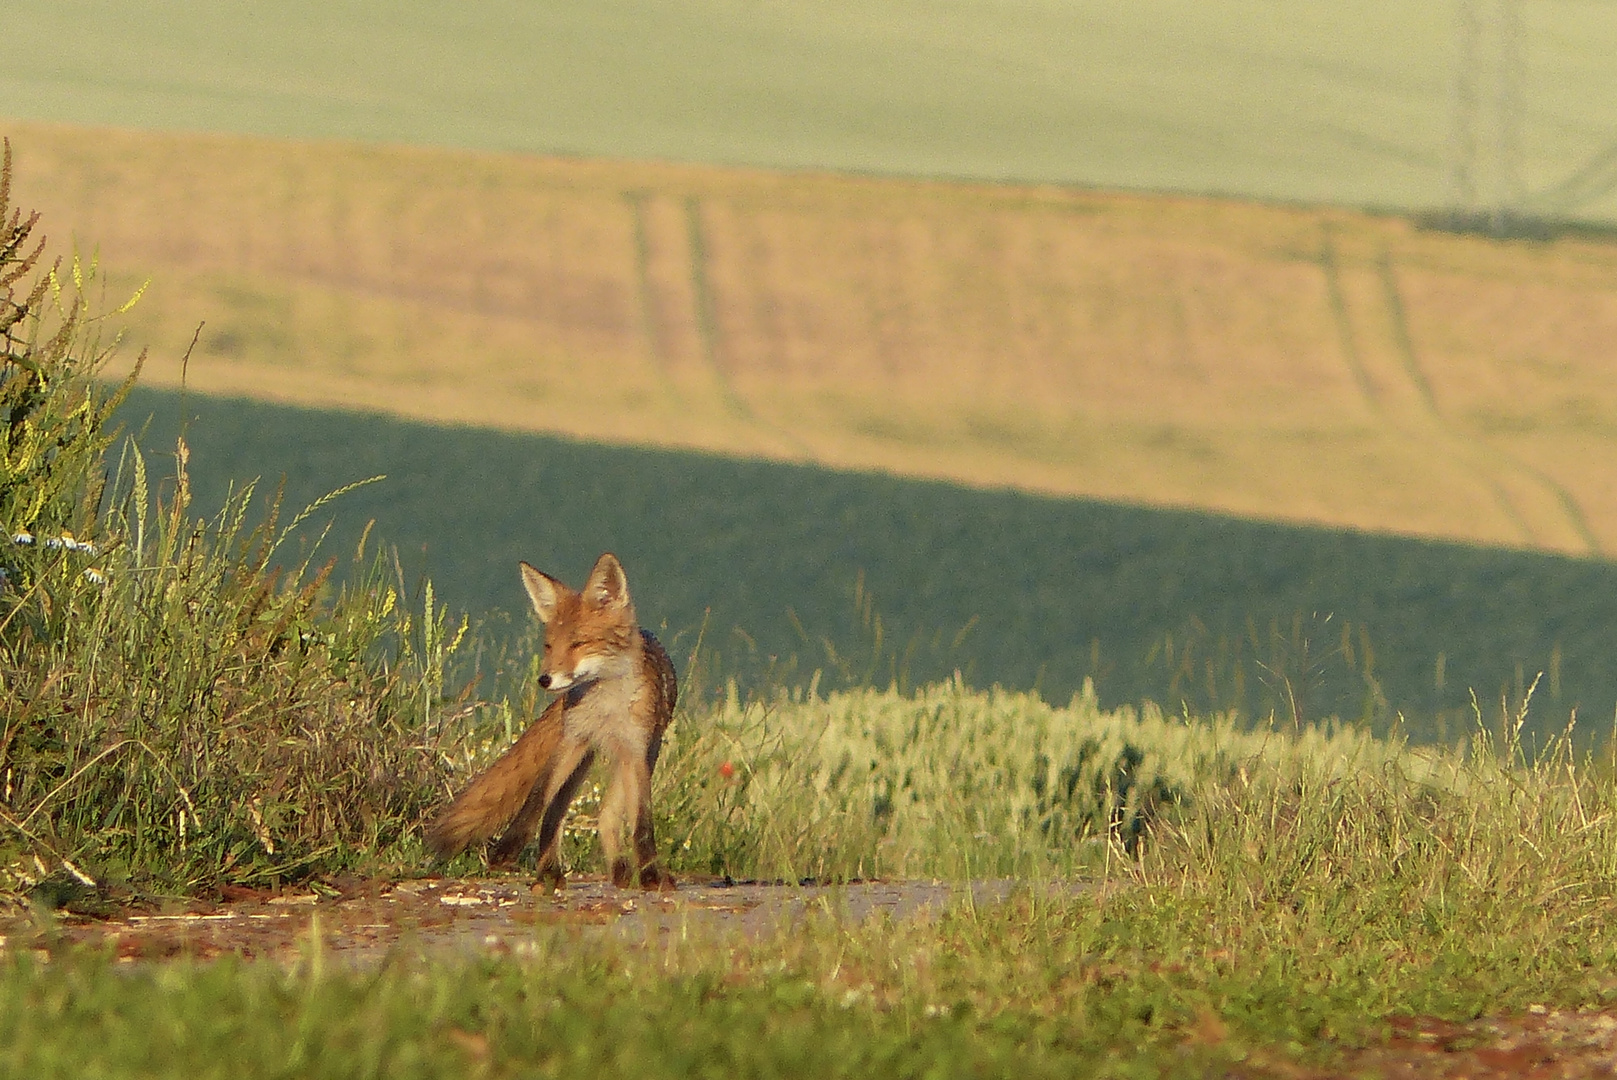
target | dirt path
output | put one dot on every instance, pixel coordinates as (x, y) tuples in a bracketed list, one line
[(365, 920), (362, 922)]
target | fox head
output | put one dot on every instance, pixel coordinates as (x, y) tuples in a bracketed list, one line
[(590, 634)]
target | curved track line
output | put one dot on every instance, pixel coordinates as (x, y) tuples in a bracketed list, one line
[(1352, 353), (707, 329), (1575, 516), (1344, 322)]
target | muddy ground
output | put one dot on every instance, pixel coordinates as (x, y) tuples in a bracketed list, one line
[(361, 922)]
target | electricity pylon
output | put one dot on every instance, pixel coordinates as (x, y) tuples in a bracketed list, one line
[(1485, 143)]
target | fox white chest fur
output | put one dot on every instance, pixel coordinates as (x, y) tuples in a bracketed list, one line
[(604, 715)]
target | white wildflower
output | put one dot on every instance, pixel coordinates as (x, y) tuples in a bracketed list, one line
[(24, 538)]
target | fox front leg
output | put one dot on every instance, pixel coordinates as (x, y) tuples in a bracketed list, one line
[(630, 798), (610, 824), (652, 875)]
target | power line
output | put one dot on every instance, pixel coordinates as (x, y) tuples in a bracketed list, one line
[(1463, 134), (1508, 76), (1485, 141)]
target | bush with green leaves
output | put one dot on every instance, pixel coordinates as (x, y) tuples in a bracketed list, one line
[(183, 701)]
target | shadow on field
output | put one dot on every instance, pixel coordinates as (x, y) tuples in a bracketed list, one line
[(781, 571)]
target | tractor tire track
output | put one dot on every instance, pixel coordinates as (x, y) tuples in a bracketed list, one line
[(1403, 399)]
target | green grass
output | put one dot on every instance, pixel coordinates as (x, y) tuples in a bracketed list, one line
[(1346, 103), (720, 1011), (954, 783), (1301, 900), (783, 570)]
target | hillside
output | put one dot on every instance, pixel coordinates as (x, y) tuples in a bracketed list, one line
[(1293, 364), (1348, 103)]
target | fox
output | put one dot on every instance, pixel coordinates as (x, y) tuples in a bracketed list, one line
[(616, 692)]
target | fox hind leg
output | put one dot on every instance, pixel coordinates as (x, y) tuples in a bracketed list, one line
[(550, 871), (504, 851), (544, 809)]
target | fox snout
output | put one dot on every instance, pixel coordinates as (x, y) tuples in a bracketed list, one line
[(569, 671)]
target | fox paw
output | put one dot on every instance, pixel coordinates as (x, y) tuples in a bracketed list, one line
[(551, 877), (502, 854), (654, 877)]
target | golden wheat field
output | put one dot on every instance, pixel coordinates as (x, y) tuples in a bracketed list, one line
[(1290, 363)]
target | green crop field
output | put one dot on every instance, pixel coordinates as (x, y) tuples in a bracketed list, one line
[(196, 723), (1346, 103), (1015, 589)]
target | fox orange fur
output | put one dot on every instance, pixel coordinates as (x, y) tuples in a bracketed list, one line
[(617, 693)]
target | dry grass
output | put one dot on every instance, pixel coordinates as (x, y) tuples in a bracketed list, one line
[(1288, 363)]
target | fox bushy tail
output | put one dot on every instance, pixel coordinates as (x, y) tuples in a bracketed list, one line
[(494, 798)]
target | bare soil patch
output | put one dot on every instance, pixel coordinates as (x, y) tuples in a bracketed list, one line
[(1543, 1044), (361, 921)]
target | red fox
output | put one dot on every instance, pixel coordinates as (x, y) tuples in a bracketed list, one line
[(618, 690)]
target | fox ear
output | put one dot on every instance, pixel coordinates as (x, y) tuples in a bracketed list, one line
[(607, 586), (545, 592)]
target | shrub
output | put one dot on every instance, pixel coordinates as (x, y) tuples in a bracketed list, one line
[(183, 701)]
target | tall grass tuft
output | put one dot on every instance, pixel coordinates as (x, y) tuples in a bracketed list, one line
[(184, 701), (1457, 865)]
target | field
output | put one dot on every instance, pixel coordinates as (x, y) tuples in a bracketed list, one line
[(1302, 365), (196, 719), (1347, 103), (782, 570)]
